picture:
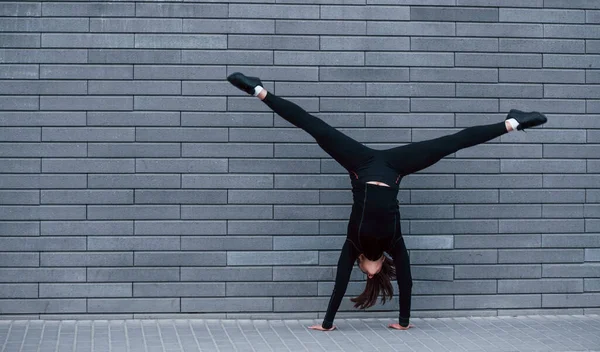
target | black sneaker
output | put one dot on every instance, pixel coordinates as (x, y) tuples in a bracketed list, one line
[(526, 119), (245, 83)]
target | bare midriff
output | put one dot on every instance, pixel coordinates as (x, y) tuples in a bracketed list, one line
[(378, 183)]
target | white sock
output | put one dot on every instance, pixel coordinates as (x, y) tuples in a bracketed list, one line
[(513, 123), (257, 90)]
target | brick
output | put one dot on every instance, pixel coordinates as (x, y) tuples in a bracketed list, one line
[(19, 40), (178, 134), (280, 227), (279, 73), (498, 181), (168, 227), (455, 256), (570, 181), (571, 270), (574, 121), (410, 28), (570, 300), (180, 41), (133, 56), (21, 259), (21, 9), (453, 14), (47, 24), (319, 89), (20, 134), (19, 103), (542, 196), (228, 274), (542, 15), (227, 304), (86, 259), (498, 60), (321, 58), (494, 3), (592, 196), (593, 106), (86, 72), (540, 256), (134, 87), (180, 197), (24, 306), (321, 27), (133, 212), (591, 285), (409, 59), (592, 255), (258, 289), (81, 40), (18, 290), (592, 16), (571, 91), (226, 212), (409, 120), (22, 275), (180, 258), (302, 150), (499, 271), (133, 181), (274, 166), (227, 57), (179, 103), (88, 134), (358, 74), (272, 197), (498, 241), (116, 274), (43, 181), (85, 290), (178, 289), (135, 25), (453, 44), (137, 243), (86, 103), (546, 225), (542, 75), (178, 72), (226, 26), (19, 197), (221, 243), (398, 13), (215, 88), (41, 212), (428, 242), (571, 31), (571, 61), (455, 104), (540, 286), (421, 181), (277, 11), (410, 89), (562, 211), (19, 71), (453, 196), (244, 104), (273, 258), (499, 30), (87, 228), (21, 228), (265, 42), (128, 305), (307, 243), (427, 212), (454, 74), (498, 301), (497, 211), (133, 150), (181, 10), (73, 165), (227, 181), (569, 240), (542, 166), (542, 45), (14, 165), (500, 90), (90, 9), (310, 212), (432, 273), (226, 119), (365, 104)]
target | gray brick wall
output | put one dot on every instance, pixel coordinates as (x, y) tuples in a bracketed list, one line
[(136, 182)]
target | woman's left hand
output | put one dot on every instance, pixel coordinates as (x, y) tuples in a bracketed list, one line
[(400, 327)]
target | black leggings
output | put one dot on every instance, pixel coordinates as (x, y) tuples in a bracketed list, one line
[(404, 159)]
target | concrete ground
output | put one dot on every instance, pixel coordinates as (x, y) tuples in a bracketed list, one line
[(526, 333)]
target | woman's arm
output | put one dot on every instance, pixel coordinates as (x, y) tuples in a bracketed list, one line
[(404, 278), (344, 269)]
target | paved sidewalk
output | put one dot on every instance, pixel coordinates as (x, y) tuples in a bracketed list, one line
[(527, 333)]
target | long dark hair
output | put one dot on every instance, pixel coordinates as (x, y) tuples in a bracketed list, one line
[(379, 283)]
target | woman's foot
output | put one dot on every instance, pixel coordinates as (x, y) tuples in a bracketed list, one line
[(250, 85), (521, 120)]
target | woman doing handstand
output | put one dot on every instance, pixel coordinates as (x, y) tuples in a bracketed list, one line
[(374, 225)]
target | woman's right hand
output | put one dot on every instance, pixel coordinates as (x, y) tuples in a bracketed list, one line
[(321, 328)]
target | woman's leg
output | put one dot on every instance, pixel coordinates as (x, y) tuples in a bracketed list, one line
[(345, 150), (416, 156)]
